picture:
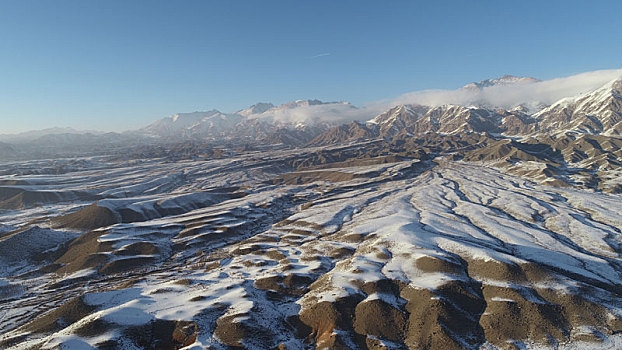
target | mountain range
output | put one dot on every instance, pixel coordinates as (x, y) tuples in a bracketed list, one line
[(595, 112), (598, 111)]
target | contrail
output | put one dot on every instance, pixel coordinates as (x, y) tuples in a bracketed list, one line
[(321, 55)]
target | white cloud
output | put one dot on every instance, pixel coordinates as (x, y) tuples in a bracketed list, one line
[(329, 112), (532, 94), (507, 96)]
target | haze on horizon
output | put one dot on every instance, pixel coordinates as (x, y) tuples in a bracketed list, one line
[(118, 65)]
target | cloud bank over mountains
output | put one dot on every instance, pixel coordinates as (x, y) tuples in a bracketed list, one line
[(315, 111), (507, 92), (527, 92)]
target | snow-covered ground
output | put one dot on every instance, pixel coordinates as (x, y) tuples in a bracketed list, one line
[(218, 248)]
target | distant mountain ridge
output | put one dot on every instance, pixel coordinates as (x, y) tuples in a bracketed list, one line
[(504, 80), (314, 122), (598, 112), (33, 134), (263, 122), (594, 112)]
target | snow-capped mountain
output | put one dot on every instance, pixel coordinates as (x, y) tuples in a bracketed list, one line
[(291, 123), (510, 92), (309, 112), (504, 80), (298, 122), (257, 108), (405, 121), (399, 118), (596, 112), (484, 94), (352, 132), (200, 124)]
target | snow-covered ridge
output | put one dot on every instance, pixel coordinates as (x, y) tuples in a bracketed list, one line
[(511, 104), (293, 115), (597, 111), (504, 80), (510, 92)]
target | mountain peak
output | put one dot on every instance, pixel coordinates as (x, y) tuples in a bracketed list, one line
[(257, 108), (303, 103), (504, 80), (192, 116), (595, 112)]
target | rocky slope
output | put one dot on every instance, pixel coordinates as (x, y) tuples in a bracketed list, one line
[(597, 112), (594, 112), (213, 123)]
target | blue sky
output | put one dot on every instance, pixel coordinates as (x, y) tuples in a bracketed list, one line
[(117, 65)]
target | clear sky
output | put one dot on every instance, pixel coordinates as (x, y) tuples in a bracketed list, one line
[(118, 65)]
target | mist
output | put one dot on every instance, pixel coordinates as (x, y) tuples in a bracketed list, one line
[(338, 112), (532, 94)]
